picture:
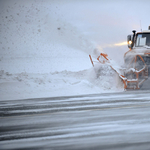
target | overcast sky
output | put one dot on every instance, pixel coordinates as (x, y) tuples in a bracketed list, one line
[(107, 19), (101, 21)]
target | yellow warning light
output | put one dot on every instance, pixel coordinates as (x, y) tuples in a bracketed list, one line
[(130, 42)]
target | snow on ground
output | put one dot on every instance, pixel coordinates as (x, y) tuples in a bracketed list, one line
[(63, 83), (44, 54)]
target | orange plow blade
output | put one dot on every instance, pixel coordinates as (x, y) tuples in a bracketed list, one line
[(136, 73), (134, 77)]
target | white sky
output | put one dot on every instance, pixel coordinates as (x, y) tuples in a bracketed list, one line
[(109, 20), (104, 22)]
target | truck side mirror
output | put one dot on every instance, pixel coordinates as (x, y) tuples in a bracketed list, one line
[(129, 41)]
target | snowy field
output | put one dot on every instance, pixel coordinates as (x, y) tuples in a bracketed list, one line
[(45, 45)]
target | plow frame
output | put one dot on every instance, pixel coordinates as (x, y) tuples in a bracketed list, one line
[(143, 72), (103, 58)]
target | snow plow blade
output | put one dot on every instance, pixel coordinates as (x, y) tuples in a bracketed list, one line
[(133, 77), (136, 73)]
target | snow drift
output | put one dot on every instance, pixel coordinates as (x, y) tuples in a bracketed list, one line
[(43, 55)]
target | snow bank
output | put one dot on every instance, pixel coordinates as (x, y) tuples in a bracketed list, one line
[(43, 55), (30, 85)]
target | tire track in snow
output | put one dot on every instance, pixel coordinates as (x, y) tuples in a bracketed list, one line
[(81, 103), (34, 123)]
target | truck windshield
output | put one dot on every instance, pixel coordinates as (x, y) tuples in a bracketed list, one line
[(142, 39)]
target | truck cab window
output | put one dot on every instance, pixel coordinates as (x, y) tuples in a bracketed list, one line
[(142, 40)]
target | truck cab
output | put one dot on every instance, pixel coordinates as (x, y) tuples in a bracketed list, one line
[(139, 46), (137, 60)]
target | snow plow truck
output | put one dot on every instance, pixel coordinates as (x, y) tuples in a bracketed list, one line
[(136, 74)]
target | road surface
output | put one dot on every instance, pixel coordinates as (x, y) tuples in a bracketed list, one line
[(102, 121)]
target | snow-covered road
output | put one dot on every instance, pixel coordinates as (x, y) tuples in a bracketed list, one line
[(99, 121)]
